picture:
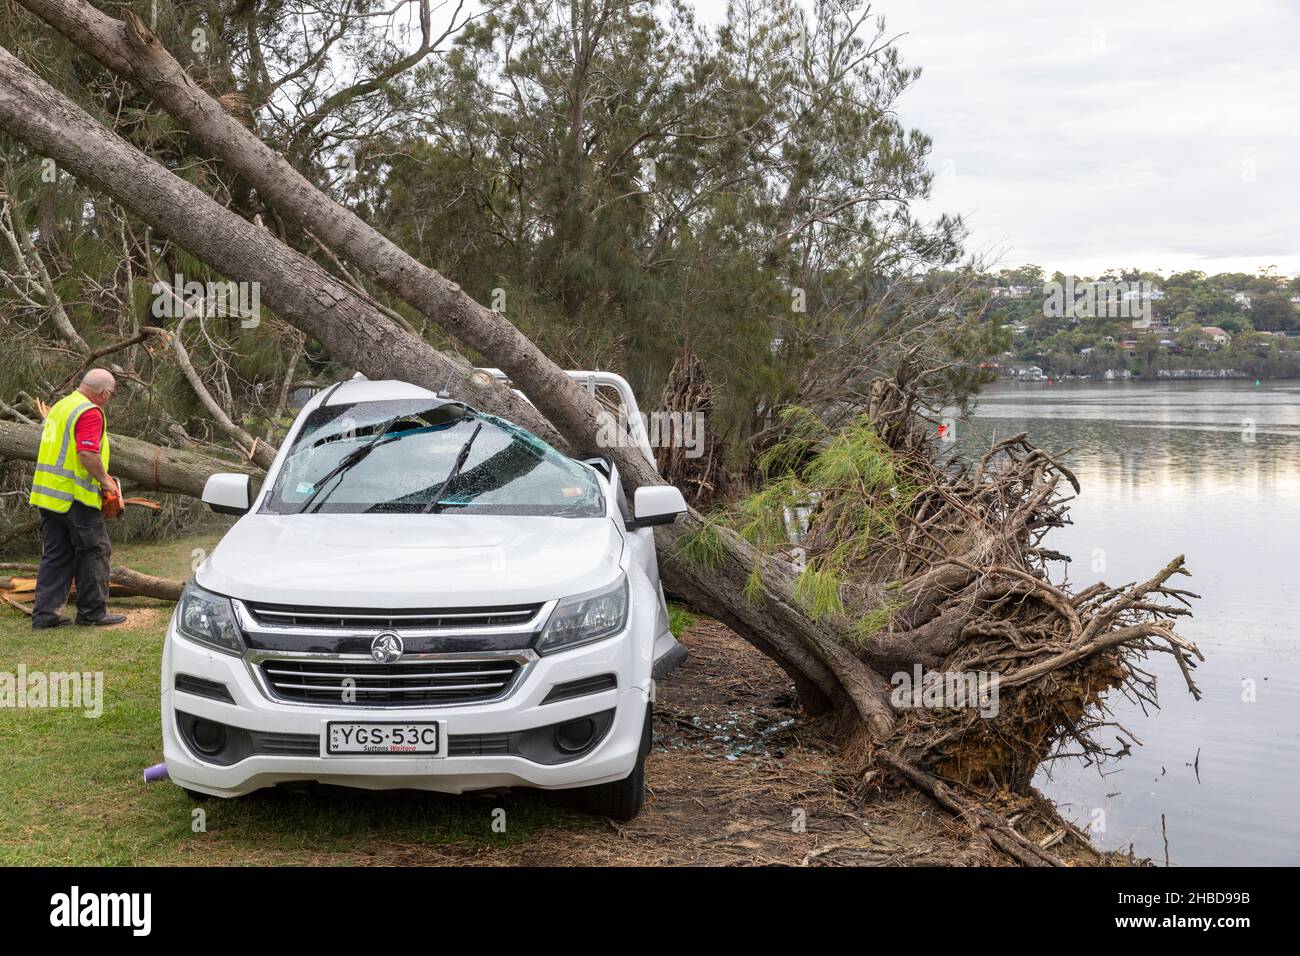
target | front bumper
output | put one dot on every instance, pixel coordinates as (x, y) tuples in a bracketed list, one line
[(613, 758)]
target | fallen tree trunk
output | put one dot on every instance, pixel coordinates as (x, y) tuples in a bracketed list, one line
[(19, 530), (163, 470), (146, 585), (123, 582)]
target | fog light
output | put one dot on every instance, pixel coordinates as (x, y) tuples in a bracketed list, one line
[(576, 735), (209, 737)]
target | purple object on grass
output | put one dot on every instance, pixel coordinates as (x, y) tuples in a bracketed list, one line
[(155, 773)]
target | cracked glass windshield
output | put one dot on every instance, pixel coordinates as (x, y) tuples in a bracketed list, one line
[(396, 456)]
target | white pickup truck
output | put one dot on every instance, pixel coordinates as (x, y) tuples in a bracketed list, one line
[(422, 595)]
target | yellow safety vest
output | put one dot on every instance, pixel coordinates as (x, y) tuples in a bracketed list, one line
[(60, 477)]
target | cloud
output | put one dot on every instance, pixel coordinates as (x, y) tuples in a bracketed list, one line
[(1110, 132)]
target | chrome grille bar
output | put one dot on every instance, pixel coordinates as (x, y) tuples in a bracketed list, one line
[(327, 620), (370, 689), (350, 680), (293, 673), (265, 612), (278, 622)]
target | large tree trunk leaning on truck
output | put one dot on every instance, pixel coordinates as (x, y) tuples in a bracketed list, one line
[(358, 333)]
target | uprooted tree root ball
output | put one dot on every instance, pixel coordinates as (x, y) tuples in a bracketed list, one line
[(934, 575)]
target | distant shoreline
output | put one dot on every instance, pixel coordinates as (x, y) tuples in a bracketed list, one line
[(1135, 380)]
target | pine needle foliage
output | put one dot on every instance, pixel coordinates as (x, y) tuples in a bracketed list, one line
[(847, 486)]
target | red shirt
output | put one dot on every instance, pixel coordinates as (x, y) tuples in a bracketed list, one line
[(90, 430)]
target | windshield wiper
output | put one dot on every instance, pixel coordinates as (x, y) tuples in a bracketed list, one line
[(461, 457), (349, 460)]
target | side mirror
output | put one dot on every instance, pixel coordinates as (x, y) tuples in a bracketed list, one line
[(656, 504), (228, 493)]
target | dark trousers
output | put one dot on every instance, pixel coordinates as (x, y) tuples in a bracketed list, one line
[(73, 545)]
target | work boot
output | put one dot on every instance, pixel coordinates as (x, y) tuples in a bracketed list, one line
[(59, 621), (104, 620)]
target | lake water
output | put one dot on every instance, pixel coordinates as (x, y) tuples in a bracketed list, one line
[(1170, 468)]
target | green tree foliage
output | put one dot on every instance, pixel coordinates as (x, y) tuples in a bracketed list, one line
[(1245, 306), (616, 178), (624, 182)]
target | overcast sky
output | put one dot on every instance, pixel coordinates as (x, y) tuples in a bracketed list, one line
[(1080, 135)]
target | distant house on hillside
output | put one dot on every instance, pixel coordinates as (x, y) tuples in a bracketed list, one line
[(1145, 292), (1217, 335), (1242, 299)]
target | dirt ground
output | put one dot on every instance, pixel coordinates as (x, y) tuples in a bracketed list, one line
[(737, 777)]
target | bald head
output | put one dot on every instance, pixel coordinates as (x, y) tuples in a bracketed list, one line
[(98, 385)]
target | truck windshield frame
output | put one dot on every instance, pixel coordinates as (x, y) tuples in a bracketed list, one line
[(509, 471)]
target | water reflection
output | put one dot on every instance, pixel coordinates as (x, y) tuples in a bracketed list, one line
[(1210, 470)]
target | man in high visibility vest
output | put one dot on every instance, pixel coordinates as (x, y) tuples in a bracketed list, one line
[(69, 487)]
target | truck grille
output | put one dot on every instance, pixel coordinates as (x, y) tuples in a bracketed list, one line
[(409, 684), (371, 619)]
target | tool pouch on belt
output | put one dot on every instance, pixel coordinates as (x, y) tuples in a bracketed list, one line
[(112, 506)]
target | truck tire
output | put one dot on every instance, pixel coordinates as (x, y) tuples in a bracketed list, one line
[(622, 799)]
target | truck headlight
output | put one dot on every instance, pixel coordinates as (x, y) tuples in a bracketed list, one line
[(208, 619), (584, 618)]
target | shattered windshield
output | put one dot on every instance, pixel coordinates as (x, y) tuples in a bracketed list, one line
[(508, 471)]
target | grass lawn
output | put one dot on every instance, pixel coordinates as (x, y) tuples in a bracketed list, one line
[(72, 790)]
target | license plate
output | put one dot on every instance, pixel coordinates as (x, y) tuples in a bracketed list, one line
[(384, 737)]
